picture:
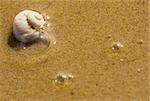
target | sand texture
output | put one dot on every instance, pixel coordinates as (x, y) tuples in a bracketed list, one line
[(85, 31)]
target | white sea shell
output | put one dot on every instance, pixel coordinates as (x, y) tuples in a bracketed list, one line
[(28, 26)]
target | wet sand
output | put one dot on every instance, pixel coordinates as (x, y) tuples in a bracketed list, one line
[(85, 31)]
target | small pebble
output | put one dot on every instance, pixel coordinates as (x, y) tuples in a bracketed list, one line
[(117, 46), (63, 78)]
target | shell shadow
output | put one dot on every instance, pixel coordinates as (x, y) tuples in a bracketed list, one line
[(15, 44)]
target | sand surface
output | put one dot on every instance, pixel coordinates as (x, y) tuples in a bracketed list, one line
[(85, 31)]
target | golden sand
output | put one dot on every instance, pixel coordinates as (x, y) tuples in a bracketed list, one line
[(85, 31)]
